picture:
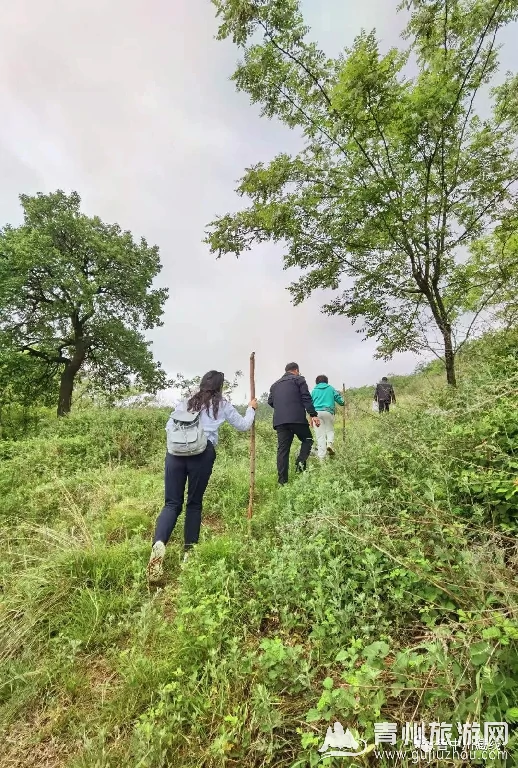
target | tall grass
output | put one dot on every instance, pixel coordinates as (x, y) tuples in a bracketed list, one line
[(381, 586)]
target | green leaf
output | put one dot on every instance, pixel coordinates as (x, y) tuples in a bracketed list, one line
[(479, 653), (491, 632), (511, 716), (378, 649)]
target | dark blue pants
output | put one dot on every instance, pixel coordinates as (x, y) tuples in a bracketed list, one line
[(195, 471), (285, 435)]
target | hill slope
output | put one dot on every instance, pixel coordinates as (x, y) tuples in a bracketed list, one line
[(381, 587)]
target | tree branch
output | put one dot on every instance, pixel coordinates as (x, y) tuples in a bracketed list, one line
[(473, 60), (44, 356), (297, 62), (470, 109), (495, 199)]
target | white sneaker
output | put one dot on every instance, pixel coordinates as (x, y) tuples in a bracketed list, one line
[(185, 558), (155, 567)]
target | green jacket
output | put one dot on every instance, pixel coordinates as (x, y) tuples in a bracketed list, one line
[(325, 396)]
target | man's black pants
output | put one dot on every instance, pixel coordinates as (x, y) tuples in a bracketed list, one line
[(195, 471), (383, 405), (285, 435)]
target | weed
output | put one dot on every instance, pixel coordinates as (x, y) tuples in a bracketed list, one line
[(381, 586)]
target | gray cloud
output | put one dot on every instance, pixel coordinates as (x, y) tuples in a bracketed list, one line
[(131, 105)]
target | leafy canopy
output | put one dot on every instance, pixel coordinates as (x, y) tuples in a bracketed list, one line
[(492, 273), (399, 174), (76, 296)]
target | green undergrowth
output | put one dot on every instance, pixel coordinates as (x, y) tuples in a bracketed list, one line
[(380, 587)]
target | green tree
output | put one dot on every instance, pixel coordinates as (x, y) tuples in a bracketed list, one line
[(492, 274), (25, 381), (76, 295), (398, 174)]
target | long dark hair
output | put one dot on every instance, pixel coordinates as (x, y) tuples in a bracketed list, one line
[(209, 393)]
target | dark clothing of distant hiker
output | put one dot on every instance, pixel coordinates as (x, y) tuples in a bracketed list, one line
[(290, 399), (384, 395)]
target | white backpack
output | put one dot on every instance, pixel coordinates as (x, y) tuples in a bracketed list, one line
[(185, 435)]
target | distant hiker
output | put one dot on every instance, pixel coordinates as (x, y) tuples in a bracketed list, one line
[(192, 435), (290, 399), (384, 394), (324, 397)]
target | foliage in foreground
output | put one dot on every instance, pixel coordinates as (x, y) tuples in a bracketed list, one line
[(380, 587)]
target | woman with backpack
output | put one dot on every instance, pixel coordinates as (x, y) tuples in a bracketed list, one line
[(192, 435)]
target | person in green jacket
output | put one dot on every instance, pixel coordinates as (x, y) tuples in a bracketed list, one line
[(324, 397)]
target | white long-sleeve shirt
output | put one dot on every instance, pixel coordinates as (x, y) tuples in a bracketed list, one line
[(226, 412)]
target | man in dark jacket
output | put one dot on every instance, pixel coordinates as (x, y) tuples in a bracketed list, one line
[(384, 394), (290, 399)]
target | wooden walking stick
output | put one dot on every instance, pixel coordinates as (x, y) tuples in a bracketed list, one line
[(343, 414), (252, 440)]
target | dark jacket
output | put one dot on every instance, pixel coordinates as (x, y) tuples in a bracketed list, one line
[(384, 392), (290, 399)]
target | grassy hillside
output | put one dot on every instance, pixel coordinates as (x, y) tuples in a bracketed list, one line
[(379, 587)]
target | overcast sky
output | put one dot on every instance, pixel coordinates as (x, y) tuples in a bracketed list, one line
[(130, 104)]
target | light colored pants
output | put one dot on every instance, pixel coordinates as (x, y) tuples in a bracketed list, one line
[(325, 433)]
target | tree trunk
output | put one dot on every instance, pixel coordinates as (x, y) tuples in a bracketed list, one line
[(66, 385), (449, 358), (440, 315)]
